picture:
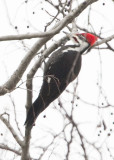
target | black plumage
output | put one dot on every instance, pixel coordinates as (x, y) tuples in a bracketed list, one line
[(62, 67)]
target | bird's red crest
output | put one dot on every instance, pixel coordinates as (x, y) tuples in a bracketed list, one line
[(90, 38)]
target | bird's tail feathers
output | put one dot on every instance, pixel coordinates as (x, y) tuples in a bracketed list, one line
[(36, 108)]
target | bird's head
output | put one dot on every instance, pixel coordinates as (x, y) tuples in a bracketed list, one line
[(82, 41), (81, 38)]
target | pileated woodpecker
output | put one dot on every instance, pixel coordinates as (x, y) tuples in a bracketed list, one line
[(62, 68)]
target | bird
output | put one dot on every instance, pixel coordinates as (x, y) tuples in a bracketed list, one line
[(61, 69)]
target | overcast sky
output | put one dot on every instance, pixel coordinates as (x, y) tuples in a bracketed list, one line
[(20, 17)]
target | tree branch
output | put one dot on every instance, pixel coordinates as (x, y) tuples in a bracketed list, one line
[(8, 125), (37, 64), (60, 25), (105, 40), (5, 147), (25, 148), (70, 118), (14, 79)]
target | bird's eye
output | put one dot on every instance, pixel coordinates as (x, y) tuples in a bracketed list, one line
[(82, 37)]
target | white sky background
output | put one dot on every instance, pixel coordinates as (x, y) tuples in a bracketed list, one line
[(20, 14)]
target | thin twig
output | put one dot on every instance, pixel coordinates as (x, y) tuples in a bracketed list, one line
[(14, 134), (5, 147)]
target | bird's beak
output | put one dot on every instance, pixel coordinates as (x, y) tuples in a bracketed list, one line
[(67, 34), (73, 37)]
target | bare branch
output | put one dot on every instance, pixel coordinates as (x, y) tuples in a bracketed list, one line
[(5, 147), (14, 79), (69, 143), (25, 148), (26, 36), (46, 54), (68, 19), (13, 103), (8, 125), (32, 72), (70, 118), (105, 40), (29, 92)]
